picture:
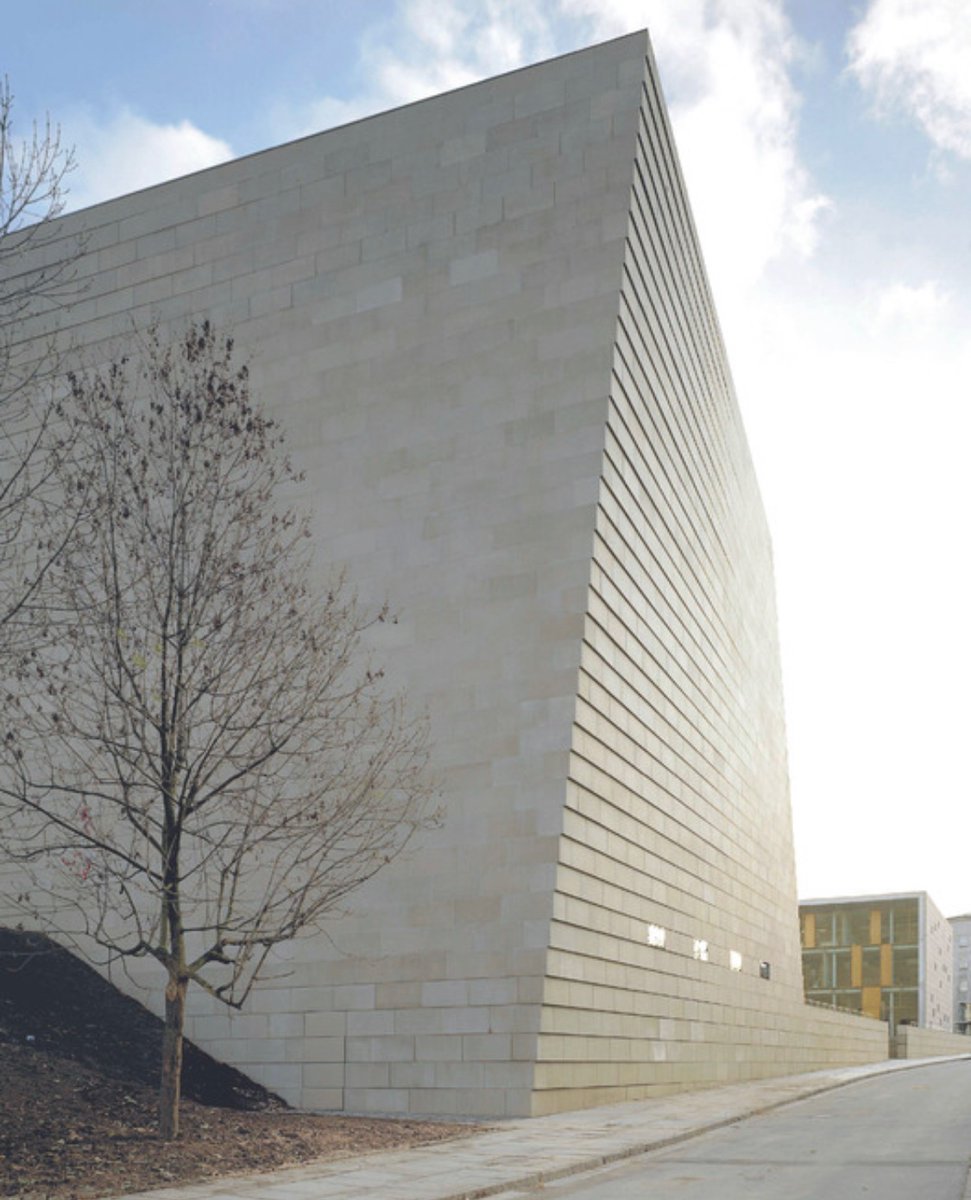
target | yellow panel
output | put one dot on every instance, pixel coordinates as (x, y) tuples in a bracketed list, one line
[(809, 930), (856, 966), (871, 1002), (886, 965), (874, 927)]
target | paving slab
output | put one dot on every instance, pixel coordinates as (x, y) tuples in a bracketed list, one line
[(511, 1156)]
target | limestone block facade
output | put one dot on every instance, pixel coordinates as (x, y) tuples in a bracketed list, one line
[(484, 322)]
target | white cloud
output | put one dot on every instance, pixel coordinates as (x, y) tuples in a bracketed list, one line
[(735, 115), (128, 152), (901, 306), (432, 46), (914, 55)]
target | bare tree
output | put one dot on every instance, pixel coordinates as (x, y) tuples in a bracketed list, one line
[(37, 275), (33, 175), (198, 761)]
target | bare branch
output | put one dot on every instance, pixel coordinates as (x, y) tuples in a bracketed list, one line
[(198, 753), (38, 275)]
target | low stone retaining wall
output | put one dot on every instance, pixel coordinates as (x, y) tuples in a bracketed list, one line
[(912, 1042)]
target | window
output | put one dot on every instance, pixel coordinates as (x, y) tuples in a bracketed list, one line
[(765, 970), (906, 965), (814, 971), (656, 936), (824, 929), (905, 923), (701, 950), (735, 960), (871, 966), (856, 927)]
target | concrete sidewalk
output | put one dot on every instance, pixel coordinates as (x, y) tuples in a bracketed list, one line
[(509, 1159)]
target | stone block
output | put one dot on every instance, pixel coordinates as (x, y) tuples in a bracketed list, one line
[(323, 1075), (380, 1049), (354, 996), (376, 1100), (488, 1047), (316, 1049), (322, 1099), (440, 993), (289, 1025)]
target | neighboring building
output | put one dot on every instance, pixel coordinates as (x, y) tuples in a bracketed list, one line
[(485, 324), (961, 934), (883, 956)]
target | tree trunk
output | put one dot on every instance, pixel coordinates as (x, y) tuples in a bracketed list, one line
[(171, 1085)]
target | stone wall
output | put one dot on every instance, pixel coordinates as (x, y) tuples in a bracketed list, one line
[(483, 322), (910, 1041)]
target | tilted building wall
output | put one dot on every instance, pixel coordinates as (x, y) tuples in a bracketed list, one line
[(484, 323), (677, 812)]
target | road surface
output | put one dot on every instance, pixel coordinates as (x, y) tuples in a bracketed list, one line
[(901, 1136)]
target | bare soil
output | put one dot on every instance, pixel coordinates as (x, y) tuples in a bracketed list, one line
[(78, 1079)]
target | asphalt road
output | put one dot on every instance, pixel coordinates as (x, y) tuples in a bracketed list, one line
[(901, 1136)]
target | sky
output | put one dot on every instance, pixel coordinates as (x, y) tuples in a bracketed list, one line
[(827, 150)]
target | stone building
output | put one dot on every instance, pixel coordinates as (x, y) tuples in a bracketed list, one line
[(961, 971), (484, 322)]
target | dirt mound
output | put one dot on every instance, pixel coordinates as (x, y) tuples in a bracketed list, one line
[(78, 1083), (50, 1000)]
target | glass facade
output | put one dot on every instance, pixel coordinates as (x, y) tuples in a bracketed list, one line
[(864, 956)]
